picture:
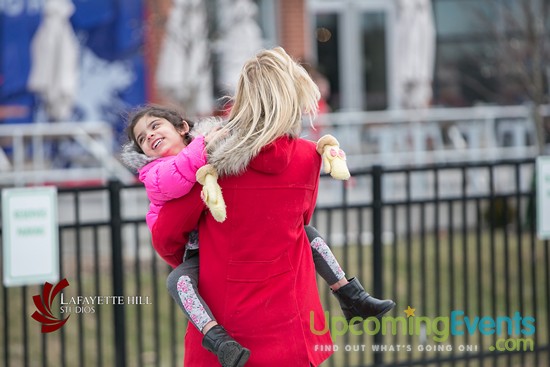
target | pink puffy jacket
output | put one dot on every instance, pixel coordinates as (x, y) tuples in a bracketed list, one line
[(171, 177)]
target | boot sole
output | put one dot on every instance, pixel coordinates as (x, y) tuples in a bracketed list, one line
[(234, 355), (378, 315), (390, 307)]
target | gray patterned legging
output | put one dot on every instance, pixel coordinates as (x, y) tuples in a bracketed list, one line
[(326, 264), (182, 284)]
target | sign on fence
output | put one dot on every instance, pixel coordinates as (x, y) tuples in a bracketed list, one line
[(30, 236), (543, 197)]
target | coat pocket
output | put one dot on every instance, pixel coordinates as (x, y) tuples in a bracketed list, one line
[(259, 270)]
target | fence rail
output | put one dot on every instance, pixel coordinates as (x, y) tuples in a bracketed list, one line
[(472, 249), (421, 136), (40, 152)]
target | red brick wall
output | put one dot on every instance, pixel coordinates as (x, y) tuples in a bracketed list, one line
[(155, 21), (293, 27)]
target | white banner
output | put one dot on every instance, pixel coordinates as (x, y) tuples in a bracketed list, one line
[(30, 236)]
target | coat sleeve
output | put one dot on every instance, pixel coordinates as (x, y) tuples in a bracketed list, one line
[(174, 178), (309, 212), (176, 220)]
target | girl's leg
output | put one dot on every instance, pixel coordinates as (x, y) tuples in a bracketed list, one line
[(182, 284), (326, 264), (353, 299)]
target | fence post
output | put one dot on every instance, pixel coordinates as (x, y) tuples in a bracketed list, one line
[(377, 246), (117, 270)]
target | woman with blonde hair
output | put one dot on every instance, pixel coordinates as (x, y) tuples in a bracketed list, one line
[(256, 271)]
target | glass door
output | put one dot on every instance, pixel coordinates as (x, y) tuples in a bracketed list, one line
[(352, 45)]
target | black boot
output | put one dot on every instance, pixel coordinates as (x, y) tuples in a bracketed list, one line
[(229, 352), (354, 301)]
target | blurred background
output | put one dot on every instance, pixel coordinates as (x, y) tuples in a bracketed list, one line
[(460, 79), (442, 107)]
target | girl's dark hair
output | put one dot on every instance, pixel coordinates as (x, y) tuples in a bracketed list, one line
[(171, 115)]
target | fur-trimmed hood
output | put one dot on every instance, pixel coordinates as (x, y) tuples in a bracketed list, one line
[(132, 158), (237, 161), (228, 164)]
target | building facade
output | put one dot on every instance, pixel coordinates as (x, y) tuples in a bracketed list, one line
[(358, 46)]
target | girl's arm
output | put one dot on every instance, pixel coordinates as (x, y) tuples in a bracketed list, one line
[(174, 178), (176, 220)]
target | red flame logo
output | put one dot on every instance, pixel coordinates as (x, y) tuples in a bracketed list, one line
[(44, 306)]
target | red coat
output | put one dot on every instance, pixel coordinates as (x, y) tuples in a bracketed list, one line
[(256, 268)]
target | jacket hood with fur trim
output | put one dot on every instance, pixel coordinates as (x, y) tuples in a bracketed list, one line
[(132, 158), (236, 162)]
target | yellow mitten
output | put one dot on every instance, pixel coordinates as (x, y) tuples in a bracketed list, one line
[(334, 158), (211, 194)]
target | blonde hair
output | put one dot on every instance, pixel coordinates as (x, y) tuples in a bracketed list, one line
[(272, 94)]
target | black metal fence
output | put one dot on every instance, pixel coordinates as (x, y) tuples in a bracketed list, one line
[(456, 242)]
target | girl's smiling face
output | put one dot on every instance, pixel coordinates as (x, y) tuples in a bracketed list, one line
[(157, 137)]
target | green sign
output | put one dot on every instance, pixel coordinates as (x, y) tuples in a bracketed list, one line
[(543, 197), (30, 236)]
